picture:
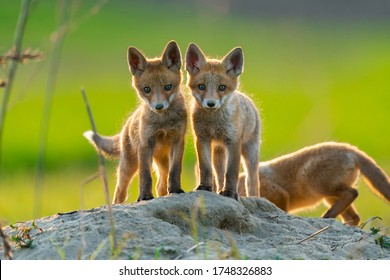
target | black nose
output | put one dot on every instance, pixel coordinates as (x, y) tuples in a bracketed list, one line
[(159, 106), (210, 103)]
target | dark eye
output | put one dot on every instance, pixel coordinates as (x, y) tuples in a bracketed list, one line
[(201, 87), (147, 89), (222, 87), (168, 87)]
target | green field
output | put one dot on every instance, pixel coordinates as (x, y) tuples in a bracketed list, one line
[(312, 80)]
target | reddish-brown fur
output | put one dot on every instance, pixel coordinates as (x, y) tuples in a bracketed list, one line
[(155, 131), (324, 172), (226, 123)]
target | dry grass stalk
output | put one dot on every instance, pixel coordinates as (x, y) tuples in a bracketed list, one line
[(20, 57), (102, 172), (48, 100), (314, 234), (17, 44)]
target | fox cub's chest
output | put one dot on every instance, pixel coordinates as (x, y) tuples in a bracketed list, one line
[(167, 125), (214, 125)]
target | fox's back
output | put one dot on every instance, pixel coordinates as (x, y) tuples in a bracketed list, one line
[(315, 166)]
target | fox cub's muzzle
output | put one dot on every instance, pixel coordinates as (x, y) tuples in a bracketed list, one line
[(211, 104), (159, 106)]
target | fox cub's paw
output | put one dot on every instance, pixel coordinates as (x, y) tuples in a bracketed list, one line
[(204, 188), (229, 193), (145, 197), (178, 191)]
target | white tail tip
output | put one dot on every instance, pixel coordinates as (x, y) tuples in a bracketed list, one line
[(89, 135)]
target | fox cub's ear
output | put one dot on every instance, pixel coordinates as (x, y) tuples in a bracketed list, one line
[(195, 59), (137, 61), (171, 57), (234, 62)]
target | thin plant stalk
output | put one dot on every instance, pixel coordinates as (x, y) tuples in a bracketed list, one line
[(102, 172), (48, 101), (17, 45)]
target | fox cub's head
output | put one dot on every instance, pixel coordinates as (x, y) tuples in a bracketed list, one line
[(156, 80), (212, 81)]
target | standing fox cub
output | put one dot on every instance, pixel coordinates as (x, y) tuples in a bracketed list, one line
[(226, 123), (326, 171), (155, 131)]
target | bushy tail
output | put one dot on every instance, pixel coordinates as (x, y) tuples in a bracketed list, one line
[(108, 145), (374, 176)]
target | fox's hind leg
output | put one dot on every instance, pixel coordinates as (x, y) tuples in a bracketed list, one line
[(219, 167), (250, 154), (203, 152), (162, 163), (349, 216), (145, 158), (277, 195), (125, 172), (232, 170), (175, 165), (241, 185), (341, 198)]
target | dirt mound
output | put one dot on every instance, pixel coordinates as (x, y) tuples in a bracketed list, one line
[(196, 225)]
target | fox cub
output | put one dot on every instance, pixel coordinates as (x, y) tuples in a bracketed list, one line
[(155, 131), (326, 171), (226, 123)]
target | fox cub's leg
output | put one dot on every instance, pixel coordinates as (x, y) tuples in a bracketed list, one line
[(128, 165), (203, 151), (219, 167), (175, 166), (277, 195), (162, 162), (233, 170), (250, 153), (349, 216), (145, 154), (241, 185), (342, 199)]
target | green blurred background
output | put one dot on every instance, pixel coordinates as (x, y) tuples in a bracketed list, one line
[(317, 71)]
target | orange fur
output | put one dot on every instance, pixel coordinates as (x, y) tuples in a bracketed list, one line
[(155, 131), (226, 123), (324, 172)]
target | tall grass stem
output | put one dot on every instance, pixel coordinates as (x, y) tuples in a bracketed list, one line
[(58, 39), (102, 172), (17, 45)]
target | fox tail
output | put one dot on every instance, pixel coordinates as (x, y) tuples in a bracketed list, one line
[(109, 146), (374, 176)]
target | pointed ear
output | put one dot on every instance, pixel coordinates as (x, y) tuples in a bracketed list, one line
[(234, 62), (171, 57), (137, 61), (195, 59)]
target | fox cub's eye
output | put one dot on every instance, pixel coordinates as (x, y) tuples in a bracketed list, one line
[(201, 87), (147, 89), (222, 87), (168, 87)]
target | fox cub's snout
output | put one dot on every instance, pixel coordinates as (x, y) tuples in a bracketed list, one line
[(156, 83), (213, 81)]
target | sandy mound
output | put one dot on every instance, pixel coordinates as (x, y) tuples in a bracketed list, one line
[(196, 225)]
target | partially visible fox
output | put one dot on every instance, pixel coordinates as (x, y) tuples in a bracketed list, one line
[(226, 123), (326, 171), (155, 131)]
